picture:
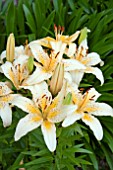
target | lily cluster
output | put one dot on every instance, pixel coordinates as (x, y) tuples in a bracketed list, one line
[(52, 70)]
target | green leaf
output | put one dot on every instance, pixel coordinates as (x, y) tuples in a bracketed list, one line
[(47, 23), (30, 19), (20, 17), (108, 156), (106, 97), (10, 19), (106, 87), (39, 161)]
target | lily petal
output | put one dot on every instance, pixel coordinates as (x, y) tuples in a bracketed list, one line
[(6, 114), (93, 94), (59, 115), (4, 89), (68, 77), (70, 119), (26, 105), (39, 91), (49, 133), (72, 64), (58, 46), (22, 59), (73, 37), (100, 109), (97, 72), (93, 59), (45, 41), (26, 125), (94, 125), (39, 53), (7, 69), (58, 100), (38, 76), (71, 50), (77, 76)]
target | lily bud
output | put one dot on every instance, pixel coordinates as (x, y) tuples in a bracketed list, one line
[(83, 35), (28, 51), (68, 99), (30, 64), (57, 79), (10, 48)]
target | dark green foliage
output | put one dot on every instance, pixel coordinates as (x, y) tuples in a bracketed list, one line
[(77, 147)]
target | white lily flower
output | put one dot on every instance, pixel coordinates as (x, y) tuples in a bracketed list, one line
[(5, 109), (60, 43), (87, 107), (88, 61), (45, 64), (42, 111), (16, 71)]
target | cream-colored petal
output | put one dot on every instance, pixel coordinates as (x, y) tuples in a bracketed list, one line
[(73, 37), (26, 105), (6, 69), (39, 92), (92, 59), (77, 76), (70, 119), (58, 100), (22, 59), (26, 125), (71, 50), (58, 46), (45, 41), (2, 56), (99, 109), (92, 94), (84, 45), (94, 125), (59, 115), (6, 114), (4, 89), (19, 50), (97, 72), (68, 77), (72, 64), (39, 54), (38, 76), (49, 133)]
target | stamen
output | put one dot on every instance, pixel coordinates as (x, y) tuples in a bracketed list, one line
[(43, 95), (57, 55)]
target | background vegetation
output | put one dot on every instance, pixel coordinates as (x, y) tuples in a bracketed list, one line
[(77, 147)]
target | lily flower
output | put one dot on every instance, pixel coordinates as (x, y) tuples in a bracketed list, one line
[(16, 71), (5, 109), (86, 59), (44, 111), (45, 65), (87, 109), (60, 43)]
